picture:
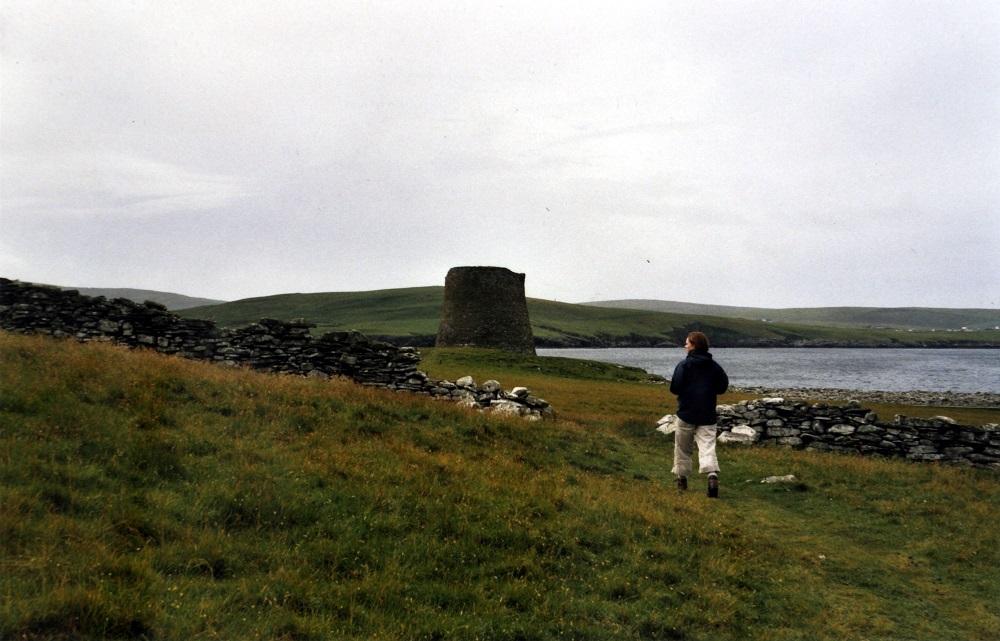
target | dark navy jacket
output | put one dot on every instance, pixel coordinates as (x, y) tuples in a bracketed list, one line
[(697, 382)]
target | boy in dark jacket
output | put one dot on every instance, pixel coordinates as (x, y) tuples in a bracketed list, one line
[(697, 382)]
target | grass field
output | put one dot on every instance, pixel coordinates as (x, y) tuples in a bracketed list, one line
[(144, 496), (414, 314)]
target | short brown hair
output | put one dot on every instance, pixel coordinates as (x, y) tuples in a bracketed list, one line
[(699, 340)]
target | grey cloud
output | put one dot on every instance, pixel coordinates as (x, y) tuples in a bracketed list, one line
[(763, 153)]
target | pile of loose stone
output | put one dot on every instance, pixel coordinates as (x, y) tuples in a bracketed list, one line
[(491, 396), (852, 428), (268, 345)]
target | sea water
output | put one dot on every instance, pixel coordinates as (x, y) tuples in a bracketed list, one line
[(890, 370)]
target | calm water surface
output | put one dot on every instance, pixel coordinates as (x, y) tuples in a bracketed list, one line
[(891, 370)]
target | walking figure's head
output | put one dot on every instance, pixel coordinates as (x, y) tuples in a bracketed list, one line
[(696, 342)]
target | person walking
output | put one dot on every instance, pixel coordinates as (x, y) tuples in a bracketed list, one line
[(697, 382)]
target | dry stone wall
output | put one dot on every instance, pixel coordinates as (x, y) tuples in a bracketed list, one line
[(910, 397), (268, 345), (852, 428)]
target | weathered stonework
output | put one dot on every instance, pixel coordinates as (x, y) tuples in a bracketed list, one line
[(268, 345), (854, 429), (485, 307), (909, 397)]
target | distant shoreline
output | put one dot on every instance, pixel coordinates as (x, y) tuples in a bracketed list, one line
[(942, 377), (659, 344)]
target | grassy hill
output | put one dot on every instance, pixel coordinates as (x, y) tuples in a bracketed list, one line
[(411, 311), (901, 317), (147, 497), (167, 299), (411, 315)]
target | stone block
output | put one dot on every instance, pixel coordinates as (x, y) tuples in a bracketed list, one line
[(926, 457), (921, 449), (958, 451), (507, 408), (730, 437), (841, 428)]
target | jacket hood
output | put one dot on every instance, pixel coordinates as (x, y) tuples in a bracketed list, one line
[(700, 355)]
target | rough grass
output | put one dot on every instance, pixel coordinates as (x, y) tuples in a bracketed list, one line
[(149, 497)]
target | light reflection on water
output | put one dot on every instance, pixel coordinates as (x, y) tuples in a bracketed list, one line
[(891, 370)]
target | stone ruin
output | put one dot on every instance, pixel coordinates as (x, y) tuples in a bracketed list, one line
[(268, 345), (485, 307), (852, 429)]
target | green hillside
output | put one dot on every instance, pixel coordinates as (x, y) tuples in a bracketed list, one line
[(399, 312), (901, 317), (411, 315), (169, 300), (148, 497)]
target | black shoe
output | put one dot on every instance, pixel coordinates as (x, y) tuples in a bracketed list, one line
[(713, 486), (682, 483)]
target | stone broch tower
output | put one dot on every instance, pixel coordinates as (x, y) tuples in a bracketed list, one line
[(485, 307)]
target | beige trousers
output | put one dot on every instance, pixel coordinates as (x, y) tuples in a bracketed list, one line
[(685, 436)]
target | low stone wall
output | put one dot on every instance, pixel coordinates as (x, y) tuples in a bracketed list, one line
[(909, 397), (852, 428), (268, 345)]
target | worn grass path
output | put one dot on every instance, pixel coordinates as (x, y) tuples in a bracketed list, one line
[(143, 496)]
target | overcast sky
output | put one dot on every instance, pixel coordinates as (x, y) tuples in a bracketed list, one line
[(771, 154)]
